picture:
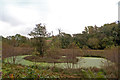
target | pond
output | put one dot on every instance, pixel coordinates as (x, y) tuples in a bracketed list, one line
[(83, 62)]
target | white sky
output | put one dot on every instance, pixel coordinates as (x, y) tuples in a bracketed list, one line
[(21, 16)]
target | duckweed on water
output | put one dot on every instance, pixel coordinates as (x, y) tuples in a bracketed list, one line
[(84, 62)]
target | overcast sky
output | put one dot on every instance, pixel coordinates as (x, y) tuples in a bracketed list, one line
[(20, 16)]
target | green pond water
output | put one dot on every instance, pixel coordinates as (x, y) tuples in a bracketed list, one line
[(84, 62)]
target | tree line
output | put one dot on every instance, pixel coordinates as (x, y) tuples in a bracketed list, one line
[(92, 37)]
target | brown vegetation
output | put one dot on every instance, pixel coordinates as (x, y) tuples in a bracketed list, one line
[(49, 59), (8, 50)]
